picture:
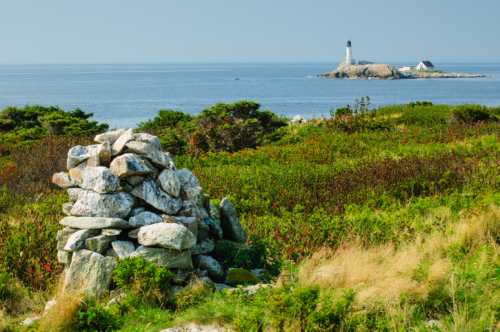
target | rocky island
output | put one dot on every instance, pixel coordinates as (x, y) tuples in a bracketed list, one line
[(351, 69)]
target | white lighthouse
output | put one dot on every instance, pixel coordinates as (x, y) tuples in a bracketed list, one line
[(348, 54)]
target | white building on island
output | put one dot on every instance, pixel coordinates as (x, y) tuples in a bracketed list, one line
[(425, 65)]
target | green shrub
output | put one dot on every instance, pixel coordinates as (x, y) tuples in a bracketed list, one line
[(472, 114), (144, 280), (166, 118), (93, 317)]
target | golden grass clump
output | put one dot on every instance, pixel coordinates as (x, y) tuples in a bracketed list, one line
[(384, 273), (61, 317)]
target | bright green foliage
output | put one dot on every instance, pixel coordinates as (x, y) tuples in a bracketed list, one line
[(144, 280), (166, 118), (93, 317), (475, 113)]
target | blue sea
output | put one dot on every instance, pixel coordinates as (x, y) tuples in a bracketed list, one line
[(125, 94)]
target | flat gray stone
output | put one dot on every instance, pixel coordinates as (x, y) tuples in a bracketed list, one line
[(119, 143), (231, 223), (211, 265), (134, 234), (144, 218), (99, 243), (99, 179), (76, 241), (123, 249), (151, 193), (148, 138), (172, 259), (94, 222), (63, 235), (109, 136), (111, 231), (196, 327), (170, 182), (74, 193), (96, 155), (92, 204), (170, 236), (90, 273), (129, 164), (64, 257), (190, 223), (66, 208), (152, 153), (62, 180)]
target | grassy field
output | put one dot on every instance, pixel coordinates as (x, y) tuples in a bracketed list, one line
[(386, 220)]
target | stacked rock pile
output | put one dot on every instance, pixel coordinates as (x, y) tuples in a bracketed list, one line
[(127, 199)]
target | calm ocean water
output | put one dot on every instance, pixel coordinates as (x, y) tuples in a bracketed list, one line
[(123, 95)]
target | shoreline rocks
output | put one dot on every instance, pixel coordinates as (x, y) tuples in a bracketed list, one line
[(127, 199)]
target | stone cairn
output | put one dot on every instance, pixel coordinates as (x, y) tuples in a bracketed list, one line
[(129, 200)]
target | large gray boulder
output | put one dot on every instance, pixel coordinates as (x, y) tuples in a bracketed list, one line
[(211, 265), (204, 247), (129, 164), (62, 180), (170, 182), (94, 222), (151, 193), (121, 141), (191, 188), (172, 259), (144, 218), (169, 236), (152, 153), (99, 243), (92, 204), (190, 223), (76, 241), (99, 179), (110, 136), (123, 249), (94, 155), (90, 273), (230, 222), (148, 138)]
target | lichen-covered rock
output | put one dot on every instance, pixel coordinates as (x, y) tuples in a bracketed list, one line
[(123, 249), (64, 257), (195, 327), (99, 243), (92, 204), (239, 276), (90, 273), (97, 154), (170, 182), (63, 235), (94, 222), (190, 185), (211, 265), (62, 180), (230, 222), (204, 247), (66, 208), (76, 241), (190, 223), (74, 193), (109, 136), (151, 193), (144, 218), (170, 236), (129, 164), (121, 141), (99, 179), (152, 153), (172, 259), (148, 138)]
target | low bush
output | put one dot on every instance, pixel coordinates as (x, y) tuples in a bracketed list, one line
[(144, 280), (474, 113), (193, 294), (93, 317)]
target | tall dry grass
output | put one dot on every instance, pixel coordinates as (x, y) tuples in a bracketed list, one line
[(383, 274)]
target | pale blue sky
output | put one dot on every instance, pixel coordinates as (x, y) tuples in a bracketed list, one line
[(117, 31)]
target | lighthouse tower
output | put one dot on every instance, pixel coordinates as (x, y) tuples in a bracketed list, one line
[(348, 54)]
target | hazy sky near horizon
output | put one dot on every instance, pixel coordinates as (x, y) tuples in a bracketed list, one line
[(132, 31)]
